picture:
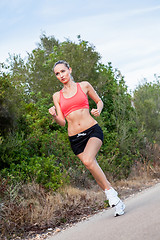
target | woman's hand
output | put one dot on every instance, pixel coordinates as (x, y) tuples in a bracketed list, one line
[(95, 112), (52, 111)]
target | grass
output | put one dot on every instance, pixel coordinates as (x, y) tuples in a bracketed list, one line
[(27, 208), (34, 209)]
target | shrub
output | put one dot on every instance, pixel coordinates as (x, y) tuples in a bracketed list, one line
[(44, 170)]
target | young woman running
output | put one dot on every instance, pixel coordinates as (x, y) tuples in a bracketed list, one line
[(85, 135)]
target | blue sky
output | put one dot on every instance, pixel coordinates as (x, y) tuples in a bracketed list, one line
[(126, 33)]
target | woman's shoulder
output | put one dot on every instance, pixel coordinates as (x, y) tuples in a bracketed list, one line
[(84, 84), (56, 95)]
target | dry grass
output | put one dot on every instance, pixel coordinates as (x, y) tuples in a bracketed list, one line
[(33, 209), (29, 208), (142, 176)]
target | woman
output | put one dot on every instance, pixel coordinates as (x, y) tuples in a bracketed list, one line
[(85, 135)]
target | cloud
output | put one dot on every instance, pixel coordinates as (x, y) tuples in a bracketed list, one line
[(145, 10), (125, 33), (136, 77), (12, 4)]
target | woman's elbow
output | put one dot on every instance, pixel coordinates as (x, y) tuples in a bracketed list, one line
[(63, 123)]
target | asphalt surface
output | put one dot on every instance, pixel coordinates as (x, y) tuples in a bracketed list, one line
[(141, 221)]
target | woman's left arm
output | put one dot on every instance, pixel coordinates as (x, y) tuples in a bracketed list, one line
[(92, 94), (97, 112)]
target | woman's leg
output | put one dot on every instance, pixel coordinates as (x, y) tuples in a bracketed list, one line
[(88, 157)]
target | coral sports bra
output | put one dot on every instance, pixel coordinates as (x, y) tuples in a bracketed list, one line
[(76, 102)]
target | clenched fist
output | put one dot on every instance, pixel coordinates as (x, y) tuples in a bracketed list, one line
[(95, 112), (52, 111)]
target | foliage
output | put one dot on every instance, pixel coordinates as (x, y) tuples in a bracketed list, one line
[(9, 111), (147, 104), (37, 147), (43, 170)]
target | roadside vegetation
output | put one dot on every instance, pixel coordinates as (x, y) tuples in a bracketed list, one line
[(42, 183)]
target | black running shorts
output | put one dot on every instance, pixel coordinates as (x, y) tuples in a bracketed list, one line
[(79, 141)]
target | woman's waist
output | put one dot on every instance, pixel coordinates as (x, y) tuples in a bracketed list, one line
[(80, 126)]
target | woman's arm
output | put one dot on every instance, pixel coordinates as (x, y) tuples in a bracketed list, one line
[(56, 112), (92, 94), (96, 112)]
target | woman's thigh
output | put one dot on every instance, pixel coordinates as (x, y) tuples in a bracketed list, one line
[(92, 147)]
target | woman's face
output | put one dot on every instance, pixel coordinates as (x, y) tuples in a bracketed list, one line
[(62, 73)]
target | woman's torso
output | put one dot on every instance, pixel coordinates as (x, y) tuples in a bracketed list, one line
[(80, 119)]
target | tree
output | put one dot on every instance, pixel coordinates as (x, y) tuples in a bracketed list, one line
[(82, 57), (31, 83), (147, 104), (10, 102)]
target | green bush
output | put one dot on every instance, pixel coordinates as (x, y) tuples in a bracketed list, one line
[(43, 170)]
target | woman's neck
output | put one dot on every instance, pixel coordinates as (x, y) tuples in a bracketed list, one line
[(68, 85)]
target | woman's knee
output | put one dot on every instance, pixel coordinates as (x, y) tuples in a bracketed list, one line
[(88, 162)]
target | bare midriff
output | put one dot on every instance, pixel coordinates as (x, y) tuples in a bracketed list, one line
[(79, 121)]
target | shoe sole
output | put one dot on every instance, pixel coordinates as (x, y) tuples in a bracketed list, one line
[(121, 213)]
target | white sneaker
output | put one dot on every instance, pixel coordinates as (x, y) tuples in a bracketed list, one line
[(119, 209), (112, 197)]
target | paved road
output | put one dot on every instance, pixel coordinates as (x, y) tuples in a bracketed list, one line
[(140, 222)]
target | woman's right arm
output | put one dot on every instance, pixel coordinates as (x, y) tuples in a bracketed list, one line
[(56, 112)]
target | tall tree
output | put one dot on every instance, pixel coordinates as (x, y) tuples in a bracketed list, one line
[(10, 102), (147, 104)]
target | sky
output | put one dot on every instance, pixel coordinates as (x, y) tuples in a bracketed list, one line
[(124, 32)]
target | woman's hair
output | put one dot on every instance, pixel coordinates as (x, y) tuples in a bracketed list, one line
[(61, 62)]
